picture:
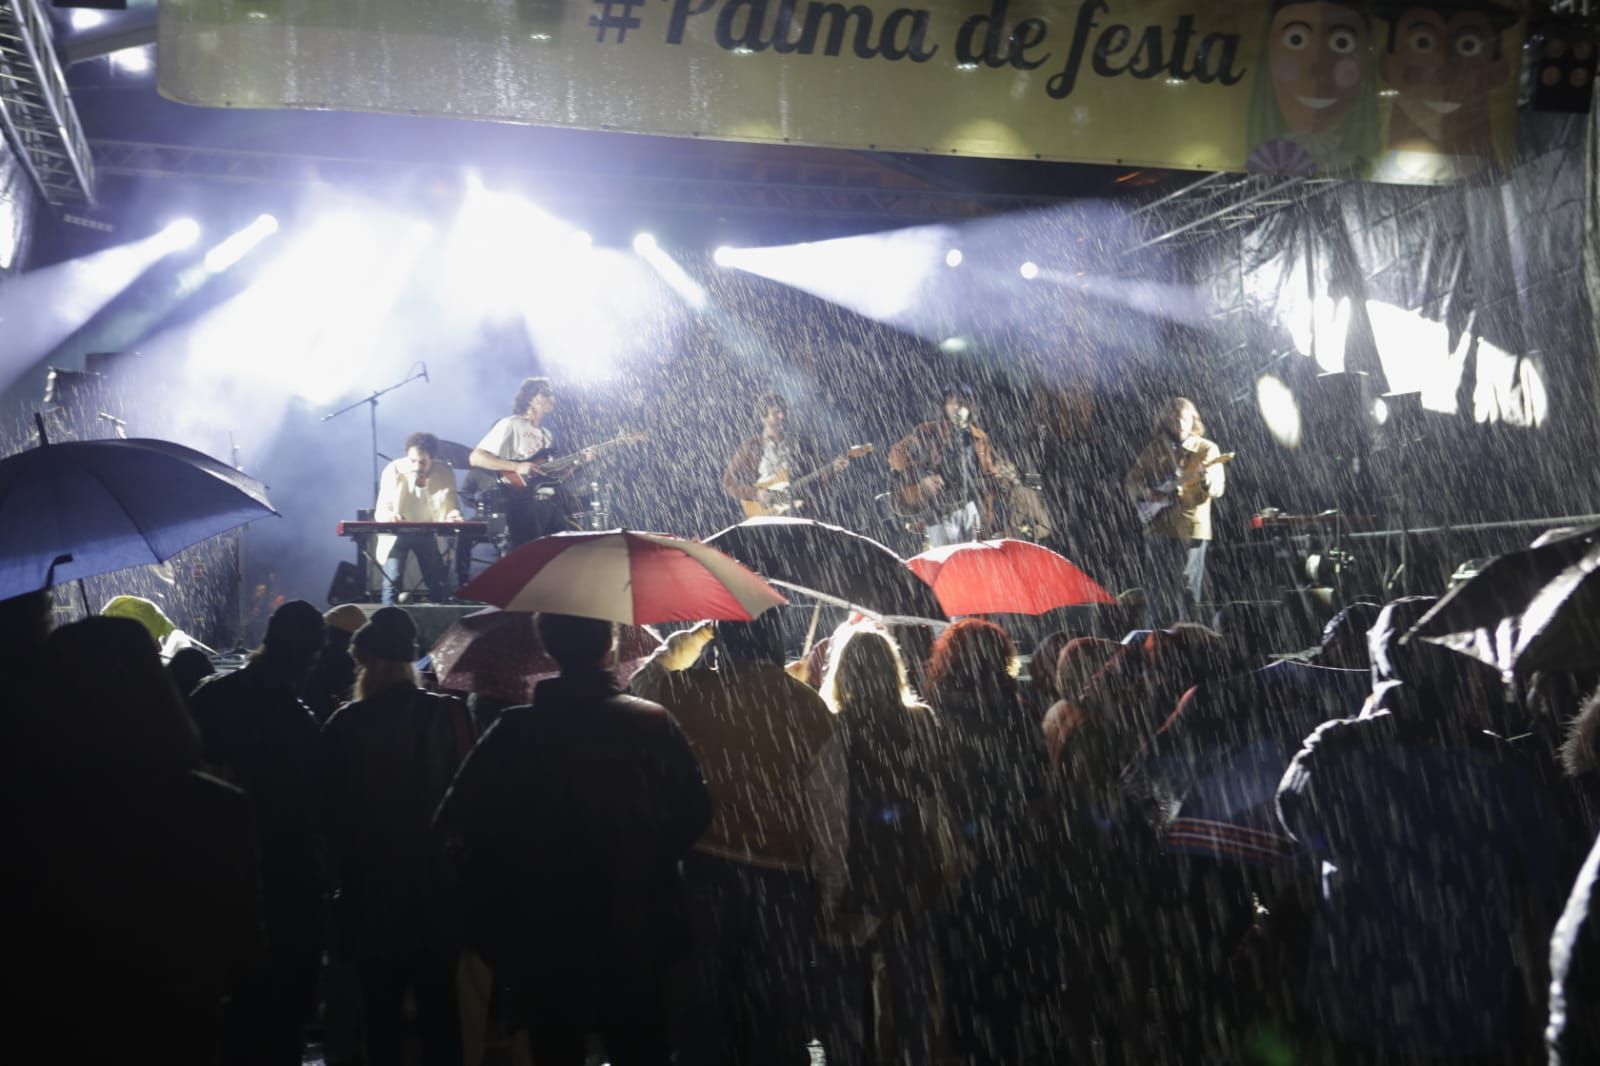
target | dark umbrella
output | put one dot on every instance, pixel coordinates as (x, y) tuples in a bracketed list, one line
[(498, 653), (830, 564), (1535, 609), (90, 507)]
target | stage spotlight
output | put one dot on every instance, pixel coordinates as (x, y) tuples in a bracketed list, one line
[(1380, 411), (179, 234), (723, 256), (1029, 270), (953, 345), (133, 60), (86, 19), (239, 245), (1279, 410), (953, 257), (671, 272)]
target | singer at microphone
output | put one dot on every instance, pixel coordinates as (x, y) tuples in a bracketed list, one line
[(948, 478)]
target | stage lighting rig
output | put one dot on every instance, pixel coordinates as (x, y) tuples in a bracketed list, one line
[(1560, 55)]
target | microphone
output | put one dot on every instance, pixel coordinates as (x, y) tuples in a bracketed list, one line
[(425, 376), (113, 419)]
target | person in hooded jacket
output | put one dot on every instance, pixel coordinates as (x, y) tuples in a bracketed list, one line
[(131, 902), (755, 730), (387, 759), (568, 822), (1435, 863)]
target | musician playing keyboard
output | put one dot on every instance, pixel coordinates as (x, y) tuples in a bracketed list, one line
[(509, 447), (415, 488)]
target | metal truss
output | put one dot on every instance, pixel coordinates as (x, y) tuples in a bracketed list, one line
[(36, 112), (1216, 203), (763, 184)]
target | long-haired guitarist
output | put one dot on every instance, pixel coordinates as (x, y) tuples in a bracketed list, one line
[(947, 473), (765, 470), (509, 448), (1172, 484)]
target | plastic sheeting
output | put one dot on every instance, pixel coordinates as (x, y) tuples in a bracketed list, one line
[(16, 213), (1472, 299)]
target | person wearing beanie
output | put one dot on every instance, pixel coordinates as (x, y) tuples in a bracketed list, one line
[(257, 734), (387, 759), (333, 675)]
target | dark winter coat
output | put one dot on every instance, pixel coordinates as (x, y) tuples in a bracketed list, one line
[(257, 734), (570, 818), (386, 764), (1438, 885), (131, 903)]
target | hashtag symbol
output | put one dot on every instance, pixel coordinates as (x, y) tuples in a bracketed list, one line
[(610, 19)]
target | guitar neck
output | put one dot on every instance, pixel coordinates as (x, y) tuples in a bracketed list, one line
[(559, 465)]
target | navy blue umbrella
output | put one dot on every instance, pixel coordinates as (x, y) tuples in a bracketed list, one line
[(90, 507)]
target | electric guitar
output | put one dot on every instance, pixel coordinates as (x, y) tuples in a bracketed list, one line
[(551, 471), (1172, 488), (784, 490)]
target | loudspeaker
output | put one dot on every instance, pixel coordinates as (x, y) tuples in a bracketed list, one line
[(1561, 64), (347, 585)]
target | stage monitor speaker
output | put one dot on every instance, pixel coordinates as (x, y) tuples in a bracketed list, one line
[(347, 585)]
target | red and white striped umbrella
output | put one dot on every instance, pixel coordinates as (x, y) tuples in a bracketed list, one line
[(622, 576)]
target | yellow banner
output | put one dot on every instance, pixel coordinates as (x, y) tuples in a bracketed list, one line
[(1385, 90)]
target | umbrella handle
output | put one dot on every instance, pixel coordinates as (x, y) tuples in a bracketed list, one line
[(811, 631)]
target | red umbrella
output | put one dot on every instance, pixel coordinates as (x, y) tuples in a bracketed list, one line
[(1004, 577), (622, 576), (498, 653)]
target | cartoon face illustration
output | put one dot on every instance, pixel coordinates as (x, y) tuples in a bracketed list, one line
[(1317, 53), (1441, 63)]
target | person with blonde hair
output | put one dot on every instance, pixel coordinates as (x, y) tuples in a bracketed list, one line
[(882, 853)]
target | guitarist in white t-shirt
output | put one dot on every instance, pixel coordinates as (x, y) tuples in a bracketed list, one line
[(509, 448), (1172, 483)]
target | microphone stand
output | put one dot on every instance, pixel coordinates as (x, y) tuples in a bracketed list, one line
[(372, 409)]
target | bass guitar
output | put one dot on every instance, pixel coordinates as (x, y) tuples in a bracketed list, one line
[(550, 472), (1172, 488), (783, 491)]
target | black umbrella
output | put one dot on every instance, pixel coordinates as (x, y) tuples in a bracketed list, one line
[(81, 508), (831, 564), (1535, 609)]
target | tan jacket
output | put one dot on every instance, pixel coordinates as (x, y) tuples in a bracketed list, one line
[(1190, 517), (755, 731)]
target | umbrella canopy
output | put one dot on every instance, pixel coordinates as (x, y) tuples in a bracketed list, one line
[(1535, 609), (498, 653), (112, 504), (1004, 577), (622, 576), (832, 564)]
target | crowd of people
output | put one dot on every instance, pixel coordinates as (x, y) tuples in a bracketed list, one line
[(1169, 846)]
